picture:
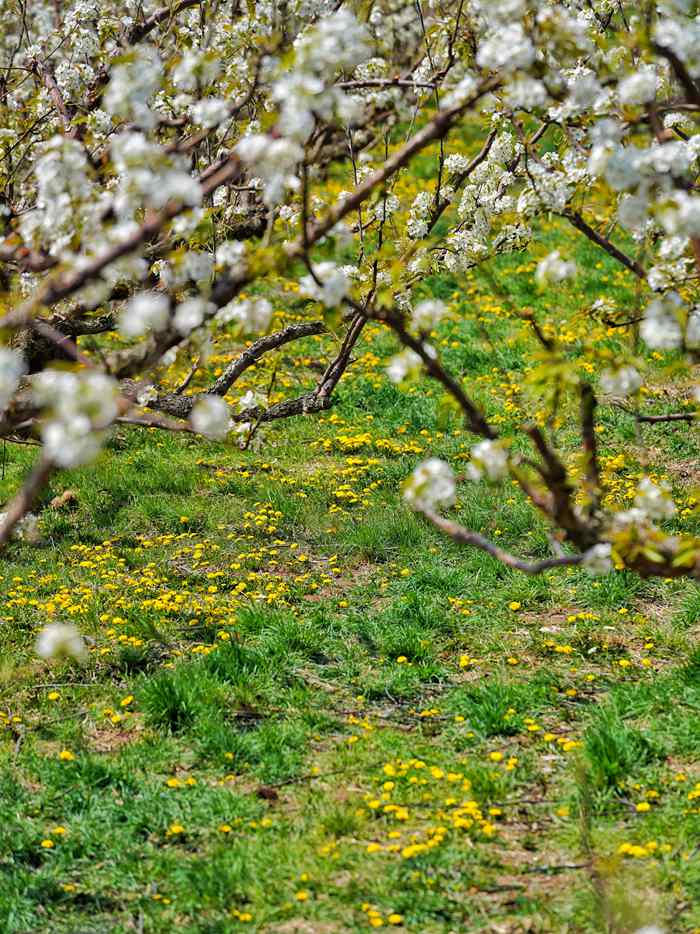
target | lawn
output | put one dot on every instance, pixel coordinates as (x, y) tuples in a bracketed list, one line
[(305, 711)]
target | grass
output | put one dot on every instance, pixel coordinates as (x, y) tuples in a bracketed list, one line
[(305, 711)]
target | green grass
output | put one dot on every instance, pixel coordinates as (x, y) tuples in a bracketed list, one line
[(307, 707)]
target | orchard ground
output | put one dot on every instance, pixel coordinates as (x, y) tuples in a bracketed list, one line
[(304, 710)]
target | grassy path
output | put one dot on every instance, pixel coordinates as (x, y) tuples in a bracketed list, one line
[(305, 712)]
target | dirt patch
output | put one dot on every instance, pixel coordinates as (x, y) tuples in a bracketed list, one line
[(111, 740)]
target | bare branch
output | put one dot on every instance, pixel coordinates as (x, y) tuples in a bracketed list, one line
[(590, 445), (464, 536), (579, 223), (21, 504)]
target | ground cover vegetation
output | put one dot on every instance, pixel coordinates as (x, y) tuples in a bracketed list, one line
[(349, 393)]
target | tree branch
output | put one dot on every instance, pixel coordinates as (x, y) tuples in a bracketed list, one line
[(21, 504), (464, 536), (579, 223)]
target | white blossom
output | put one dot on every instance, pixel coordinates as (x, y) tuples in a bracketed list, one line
[(621, 382), (147, 311), (12, 368), (306, 92), (60, 640), (461, 92), (507, 48), (598, 559), (660, 329), (210, 417), (27, 529), (253, 315), (417, 225), (250, 400), (553, 269), (640, 87), (190, 314), (274, 160), (428, 314), (654, 499), (401, 365), (489, 459), (692, 329), (430, 486), (210, 111), (79, 406), (132, 86), (333, 288), (64, 195), (231, 254)]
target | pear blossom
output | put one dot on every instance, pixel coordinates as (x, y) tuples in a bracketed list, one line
[(401, 365), (12, 368), (654, 499), (427, 314), (210, 417), (553, 269), (60, 640), (621, 382), (431, 486), (147, 311), (488, 459), (333, 288), (597, 560)]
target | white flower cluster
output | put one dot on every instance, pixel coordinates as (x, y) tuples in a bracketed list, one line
[(196, 69), (598, 559), (652, 503), (148, 175), (12, 369), (660, 329), (147, 311), (193, 266), (79, 407), (210, 112), (550, 187), (251, 400), (485, 197), (621, 382), (27, 529), (431, 486), (417, 224), (553, 269), (329, 284), (488, 459), (640, 87), (428, 314), (506, 48), (402, 365), (305, 92), (253, 315), (60, 640), (231, 254), (65, 196), (461, 92), (272, 160), (210, 417), (191, 313), (654, 499), (132, 86)]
